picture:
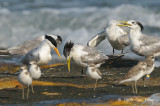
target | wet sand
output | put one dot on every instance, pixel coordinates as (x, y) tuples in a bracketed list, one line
[(58, 86)]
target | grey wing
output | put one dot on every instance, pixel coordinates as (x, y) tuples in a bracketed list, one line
[(93, 56), (31, 55), (124, 40), (97, 39), (99, 72), (25, 47), (149, 40)]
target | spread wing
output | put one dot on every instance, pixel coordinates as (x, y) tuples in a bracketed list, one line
[(97, 39)]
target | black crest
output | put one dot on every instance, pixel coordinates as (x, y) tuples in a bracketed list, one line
[(140, 26), (67, 48), (59, 38), (52, 40)]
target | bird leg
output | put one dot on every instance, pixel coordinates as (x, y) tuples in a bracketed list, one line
[(136, 87), (95, 85), (113, 51), (144, 82), (32, 89), (28, 92), (122, 51), (22, 92), (133, 88)]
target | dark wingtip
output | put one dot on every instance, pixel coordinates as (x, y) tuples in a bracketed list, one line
[(59, 38)]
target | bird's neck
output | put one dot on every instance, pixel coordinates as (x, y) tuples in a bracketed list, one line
[(134, 37), (45, 46)]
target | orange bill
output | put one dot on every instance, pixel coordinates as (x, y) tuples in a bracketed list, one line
[(57, 52)]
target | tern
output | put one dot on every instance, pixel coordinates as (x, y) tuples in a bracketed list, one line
[(42, 54), (94, 73), (25, 78), (140, 43), (117, 36), (83, 55), (25, 47)]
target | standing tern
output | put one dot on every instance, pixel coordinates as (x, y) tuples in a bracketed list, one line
[(25, 78), (94, 73), (42, 54), (116, 35), (25, 47), (83, 55), (141, 44)]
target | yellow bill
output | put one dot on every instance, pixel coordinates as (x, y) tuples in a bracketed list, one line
[(57, 52), (68, 63), (124, 23)]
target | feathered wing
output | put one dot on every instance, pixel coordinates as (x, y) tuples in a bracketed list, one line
[(151, 42), (25, 47), (124, 40), (31, 55), (93, 56), (97, 39)]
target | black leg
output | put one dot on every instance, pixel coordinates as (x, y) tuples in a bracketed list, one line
[(113, 50), (122, 51)]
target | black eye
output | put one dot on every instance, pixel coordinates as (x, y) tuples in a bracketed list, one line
[(133, 22)]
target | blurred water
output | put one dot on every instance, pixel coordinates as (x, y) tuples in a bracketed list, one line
[(76, 20)]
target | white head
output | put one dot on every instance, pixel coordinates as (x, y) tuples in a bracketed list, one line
[(23, 68), (32, 62), (132, 24), (114, 22), (52, 43)]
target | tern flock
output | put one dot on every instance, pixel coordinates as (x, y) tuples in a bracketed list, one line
[(120, 34)]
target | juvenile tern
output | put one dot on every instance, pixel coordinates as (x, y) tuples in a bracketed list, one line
[(83, 55), (134, 74), (25, 47), (141, 44), (25, 78), (41, 54), (94, 73), (34, 70)]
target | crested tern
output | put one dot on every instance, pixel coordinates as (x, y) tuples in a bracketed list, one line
[(134, 74), (116, 35), (141, 44), (42, 54), (25, 47), (83, 55), (94, 73), (25, 78)]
